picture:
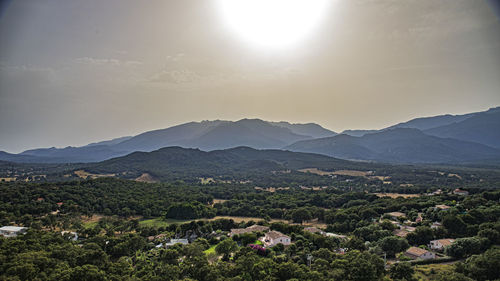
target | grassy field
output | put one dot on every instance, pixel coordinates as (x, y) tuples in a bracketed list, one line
[(159, 222), (430, 271), (210, 250)]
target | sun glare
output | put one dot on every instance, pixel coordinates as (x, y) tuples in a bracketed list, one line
[(272, 23)]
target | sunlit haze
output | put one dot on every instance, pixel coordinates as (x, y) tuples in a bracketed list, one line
[(75, 72), (272, 23)]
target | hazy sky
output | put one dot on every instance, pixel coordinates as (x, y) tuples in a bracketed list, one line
[(73, 72)]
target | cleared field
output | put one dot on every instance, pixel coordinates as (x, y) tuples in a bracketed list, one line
[(160, 222), (8, 179), (352, 173), (218, 201), (396, 195), (243, 219), (316, 171), (85, 175)]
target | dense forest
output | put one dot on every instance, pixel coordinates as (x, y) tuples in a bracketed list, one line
[(122, 243)]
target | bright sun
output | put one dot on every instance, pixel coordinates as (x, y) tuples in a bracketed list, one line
[(272, 23)]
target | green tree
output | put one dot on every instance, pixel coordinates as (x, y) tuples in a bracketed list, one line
[(226, 247), (300, 215), (392, 245), (402, 271)]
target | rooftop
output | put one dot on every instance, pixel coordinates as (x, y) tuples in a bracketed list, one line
[(396, 214), (275, 234), (415, 251), (12, 228), (445, 242)]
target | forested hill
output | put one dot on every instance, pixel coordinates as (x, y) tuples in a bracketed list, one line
[(194, 162)]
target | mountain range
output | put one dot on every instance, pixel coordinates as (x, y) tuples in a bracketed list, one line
[(472, 137)]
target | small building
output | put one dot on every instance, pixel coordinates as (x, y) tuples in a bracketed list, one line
[(70, 234), (419, 253), (437, 192), (436, 225), (175, 241), (273, 238), (459, 191), (315, 230), (442, 207), (408, 228), (440, 244), (12, 231)]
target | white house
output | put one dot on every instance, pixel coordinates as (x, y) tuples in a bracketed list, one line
[(273, 238), (339, 236), (440, 244), (12, 231), (173, 242), (71, 235), (459, 191), (436, 225), (419, 253)]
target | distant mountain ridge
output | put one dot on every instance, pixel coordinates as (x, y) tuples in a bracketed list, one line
[(205, 135), (425, 123), (448, 138), (399, 145)]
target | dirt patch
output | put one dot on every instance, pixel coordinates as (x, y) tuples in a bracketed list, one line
[(218, 201), (245, 219), (316, 171), (85, 175), (396, 195), (145, 177)]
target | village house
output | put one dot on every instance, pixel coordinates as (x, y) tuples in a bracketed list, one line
[(70, 234), (459, 191), (441, 207), (440, 244), (437, 192), (436, 225), (253, 228), (314, 230), (419, 253), (173, 242), (273, 238), (12, 231)]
